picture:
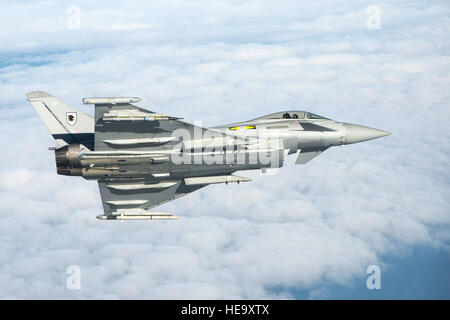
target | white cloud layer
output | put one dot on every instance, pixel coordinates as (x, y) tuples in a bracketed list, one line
[(304, 228)]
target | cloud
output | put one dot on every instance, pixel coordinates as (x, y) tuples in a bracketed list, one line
[(304, 228)]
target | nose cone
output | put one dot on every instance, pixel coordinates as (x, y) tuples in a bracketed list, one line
[(357, 133)]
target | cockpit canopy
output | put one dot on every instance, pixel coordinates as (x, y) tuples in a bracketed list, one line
[(301, 115)]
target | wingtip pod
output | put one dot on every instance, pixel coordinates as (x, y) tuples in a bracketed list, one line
[(111, 100), (140, 217), (133, 215), (37, 95)]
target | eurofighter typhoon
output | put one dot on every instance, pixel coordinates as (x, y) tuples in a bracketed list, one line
[(142, 159)]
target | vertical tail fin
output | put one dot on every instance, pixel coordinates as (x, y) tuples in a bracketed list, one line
[(66, 124)]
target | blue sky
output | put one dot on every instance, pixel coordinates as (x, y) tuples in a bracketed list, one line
[(305, 232)]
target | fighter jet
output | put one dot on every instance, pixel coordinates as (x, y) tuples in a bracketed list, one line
[(142, 159)]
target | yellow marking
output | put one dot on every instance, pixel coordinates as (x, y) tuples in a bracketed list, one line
[(242, 128)]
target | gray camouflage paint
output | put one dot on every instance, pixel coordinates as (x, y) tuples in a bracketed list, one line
[(131, 150)]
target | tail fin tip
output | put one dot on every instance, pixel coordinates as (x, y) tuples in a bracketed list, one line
[(33, 95)]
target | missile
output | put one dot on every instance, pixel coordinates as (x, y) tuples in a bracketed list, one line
[(89, 159), (214, 179), (127, 115), (141, 186), (124, 142)]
